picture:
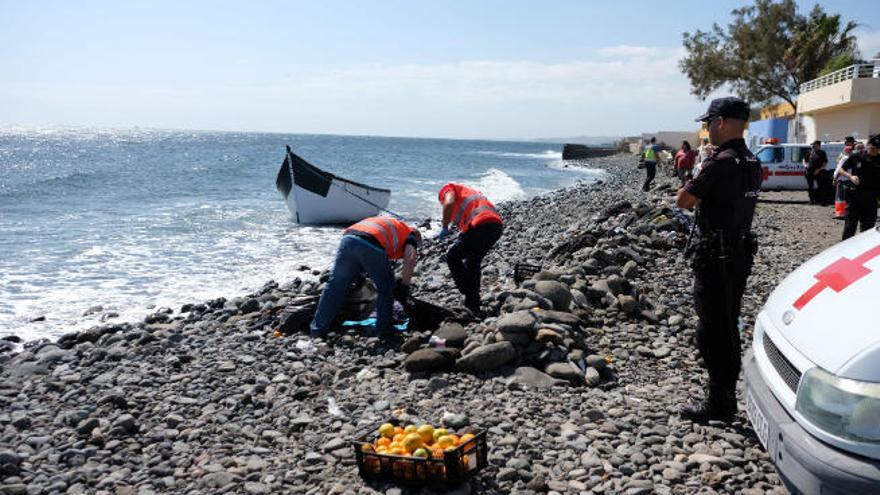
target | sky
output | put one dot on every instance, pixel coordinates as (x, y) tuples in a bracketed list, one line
[(455, 68)]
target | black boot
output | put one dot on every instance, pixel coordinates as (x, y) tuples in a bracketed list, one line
[(719, 406)]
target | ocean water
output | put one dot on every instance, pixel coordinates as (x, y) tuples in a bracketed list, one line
[(130, 220)]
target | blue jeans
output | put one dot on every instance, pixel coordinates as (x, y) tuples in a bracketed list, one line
[(355, 256)]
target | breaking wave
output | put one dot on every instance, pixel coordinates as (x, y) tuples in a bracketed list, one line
[(499, 186), (545, 155)]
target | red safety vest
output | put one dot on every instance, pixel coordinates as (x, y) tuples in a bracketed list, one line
[(390, 233), (471, 208)]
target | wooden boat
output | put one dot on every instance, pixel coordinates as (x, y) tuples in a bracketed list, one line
[(315, 196)]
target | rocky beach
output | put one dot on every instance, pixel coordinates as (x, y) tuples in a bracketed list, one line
[(576, 373)]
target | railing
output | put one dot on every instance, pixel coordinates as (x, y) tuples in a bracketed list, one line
[(869, 69)]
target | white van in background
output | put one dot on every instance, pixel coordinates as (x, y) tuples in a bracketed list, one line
[(783, 164)]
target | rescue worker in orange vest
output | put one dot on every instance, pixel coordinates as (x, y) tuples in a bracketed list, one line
[(368, 246), (480, 227)]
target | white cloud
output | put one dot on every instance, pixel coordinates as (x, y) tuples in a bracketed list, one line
[(621, 90), (629, 51), (869, 43)]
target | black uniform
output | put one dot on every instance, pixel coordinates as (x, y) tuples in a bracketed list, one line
[(861, 200), (816, 181), (728, 187)]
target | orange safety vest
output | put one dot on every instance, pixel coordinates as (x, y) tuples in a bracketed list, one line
[(390, 233), (471, 208)]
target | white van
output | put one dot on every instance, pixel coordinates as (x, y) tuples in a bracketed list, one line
[(783, 164), (813, 373)]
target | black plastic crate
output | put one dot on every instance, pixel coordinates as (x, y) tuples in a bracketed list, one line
[(456, 465), (524, 271)]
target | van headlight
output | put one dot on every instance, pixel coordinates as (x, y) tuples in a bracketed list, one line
[(845, 408)]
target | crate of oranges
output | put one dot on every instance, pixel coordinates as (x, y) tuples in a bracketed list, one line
[(419, 454)]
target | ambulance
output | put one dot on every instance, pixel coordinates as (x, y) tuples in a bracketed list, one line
[(813, 372), (783, 164)]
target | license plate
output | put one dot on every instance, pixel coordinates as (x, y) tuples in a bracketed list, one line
[(756, 417)]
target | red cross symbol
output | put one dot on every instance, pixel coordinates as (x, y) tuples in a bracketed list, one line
[(838, 275), (766, 173)]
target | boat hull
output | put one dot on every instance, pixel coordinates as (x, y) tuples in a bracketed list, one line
[(314, 196)]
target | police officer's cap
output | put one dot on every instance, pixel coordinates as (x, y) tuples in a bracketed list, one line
[(730, 107)]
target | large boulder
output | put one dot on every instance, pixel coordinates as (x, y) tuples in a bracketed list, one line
[(453, 334), (565, 371), (487, 358), (526, 375), (556, 292), (616, 284), (628, 304), (520, 322), (427, 360), (559, 317)]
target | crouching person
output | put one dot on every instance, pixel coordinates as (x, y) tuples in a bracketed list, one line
[(480, 228), (369, 246)]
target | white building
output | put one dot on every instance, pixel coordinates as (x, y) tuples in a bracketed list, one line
[(843, 103)]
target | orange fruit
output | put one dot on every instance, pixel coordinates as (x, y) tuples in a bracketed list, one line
[(367, 448), (412, 442), (398, 429), (466, 437), (410, 429), (427, 433), (445, 442), (439, 432), (423, 453), (386, 430), (398, 451), (384, 441), (455, 439), (398, 437)]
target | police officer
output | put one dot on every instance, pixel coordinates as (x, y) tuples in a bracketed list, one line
[(724, 194), (863, 170)]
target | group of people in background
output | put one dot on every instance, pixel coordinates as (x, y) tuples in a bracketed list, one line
[(687, 161), (854, 183), (853, 187), (857, 180)]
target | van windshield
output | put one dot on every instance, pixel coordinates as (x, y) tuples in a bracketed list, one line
[(771, 155)]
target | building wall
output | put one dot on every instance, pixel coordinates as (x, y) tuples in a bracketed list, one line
[(825, 97), (835, 124), (844, 93), (761, 130), (778, 111)]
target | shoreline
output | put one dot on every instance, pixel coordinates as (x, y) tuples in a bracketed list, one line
[(211, 402), (110, 316)]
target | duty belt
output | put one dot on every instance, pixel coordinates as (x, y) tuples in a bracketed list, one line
[(723, 243)]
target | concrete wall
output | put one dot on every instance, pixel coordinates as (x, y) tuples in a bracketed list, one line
[(844, 93), (825, 97), (835, 124)]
